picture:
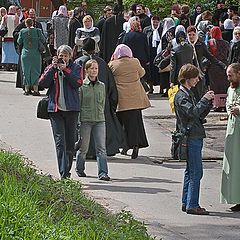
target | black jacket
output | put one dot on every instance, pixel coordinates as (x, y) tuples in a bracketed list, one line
[(189, 111), (234, 54), (180, 55)]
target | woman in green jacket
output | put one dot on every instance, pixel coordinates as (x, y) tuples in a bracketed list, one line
[(92, 102)]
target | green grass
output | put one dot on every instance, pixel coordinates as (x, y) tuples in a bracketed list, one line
[(34, 206)]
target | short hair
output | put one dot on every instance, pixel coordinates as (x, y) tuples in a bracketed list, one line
[(191, 28), (89, 45), (185, 9), (141, 5), (235, 67), (186, 72), (65, 49), (89, 63), (29, 22), (107, 8)]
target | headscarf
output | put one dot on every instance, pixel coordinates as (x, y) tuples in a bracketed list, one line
[(181, 37), (216, 33), (202, 26), (122, 50), (84, 29), (127, 25), (12, 10), (228, 24), (179, 28), (155, 37), (63, 11), (168, 23), (235, 30)]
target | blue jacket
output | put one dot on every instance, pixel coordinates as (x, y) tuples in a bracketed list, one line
[(72, 80)]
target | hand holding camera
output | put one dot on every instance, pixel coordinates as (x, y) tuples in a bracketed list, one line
[(58, 63), (209, 95)]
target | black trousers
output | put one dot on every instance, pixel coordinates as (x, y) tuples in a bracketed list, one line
[(64, 125)]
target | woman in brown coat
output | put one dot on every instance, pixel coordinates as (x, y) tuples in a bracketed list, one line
[(132, 98)]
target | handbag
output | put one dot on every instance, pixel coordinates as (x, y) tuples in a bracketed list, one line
[(3, 31), (42, 108), (179, 148)]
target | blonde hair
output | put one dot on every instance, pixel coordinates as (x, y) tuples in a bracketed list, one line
[(65, 49), (89, 63), (87, 18)]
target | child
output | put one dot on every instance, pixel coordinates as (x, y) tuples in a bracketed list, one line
[(92, 102)]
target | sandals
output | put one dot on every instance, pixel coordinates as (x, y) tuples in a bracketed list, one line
[(197, 211)]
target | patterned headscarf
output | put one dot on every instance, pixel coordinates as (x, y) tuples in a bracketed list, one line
[(122, 50)]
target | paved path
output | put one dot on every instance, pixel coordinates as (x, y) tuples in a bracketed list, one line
[(144, 186)]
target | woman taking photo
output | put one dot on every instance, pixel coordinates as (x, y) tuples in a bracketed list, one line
[(132, 98), (189, 113), (31, 59), (62, 78)]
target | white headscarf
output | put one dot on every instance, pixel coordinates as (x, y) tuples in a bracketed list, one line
[(236, 29), (155, 37), (178, 29), (167, 25), (228, 24)]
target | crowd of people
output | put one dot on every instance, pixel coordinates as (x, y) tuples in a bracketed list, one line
[(106, 69)]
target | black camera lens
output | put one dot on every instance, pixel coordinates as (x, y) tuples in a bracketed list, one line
[(60, 60)]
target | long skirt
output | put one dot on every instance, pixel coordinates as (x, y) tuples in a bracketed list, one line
[(133, 126), (9, 54)]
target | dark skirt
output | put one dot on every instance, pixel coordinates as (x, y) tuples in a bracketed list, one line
[(132, 122)]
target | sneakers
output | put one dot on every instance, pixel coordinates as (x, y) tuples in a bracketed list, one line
[(104, 178), (197, 211)]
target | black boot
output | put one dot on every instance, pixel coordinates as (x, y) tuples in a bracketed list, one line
[(135, 152)]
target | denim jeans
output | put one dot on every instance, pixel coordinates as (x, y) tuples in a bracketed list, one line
[(64, 126), (98, 131), (193, 174)]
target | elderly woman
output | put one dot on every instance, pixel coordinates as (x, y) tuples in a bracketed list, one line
[(9, 55), (234, 55), (132, 98), (87, 31), (189, 113), (60, 27), (31, 60), (62, 78)]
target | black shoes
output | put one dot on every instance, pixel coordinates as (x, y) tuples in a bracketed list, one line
[(135, 152), (104, 178), (235, 208), (81, 174)]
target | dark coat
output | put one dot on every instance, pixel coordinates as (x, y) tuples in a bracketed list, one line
[(202, 52), (227, 35), (217, 75), (234, 54), (75, 23), (145, 21), (112, 27), (180, 55), (113, 127), (19, 80), (189, 111), (138, 43)]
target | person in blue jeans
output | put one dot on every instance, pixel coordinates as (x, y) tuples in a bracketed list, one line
[(190, 114), (92, 121)]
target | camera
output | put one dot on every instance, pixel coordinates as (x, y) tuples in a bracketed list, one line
[(60, 61)]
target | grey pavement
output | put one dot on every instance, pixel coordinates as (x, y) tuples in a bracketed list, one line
[(146, 186)]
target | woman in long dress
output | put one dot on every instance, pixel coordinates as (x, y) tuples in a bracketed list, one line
[(31, 59), (132, 98)]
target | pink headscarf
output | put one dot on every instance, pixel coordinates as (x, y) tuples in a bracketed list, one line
[(63, 10), (122, 50)]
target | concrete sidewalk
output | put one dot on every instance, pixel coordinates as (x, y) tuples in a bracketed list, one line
[(151, 190)]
